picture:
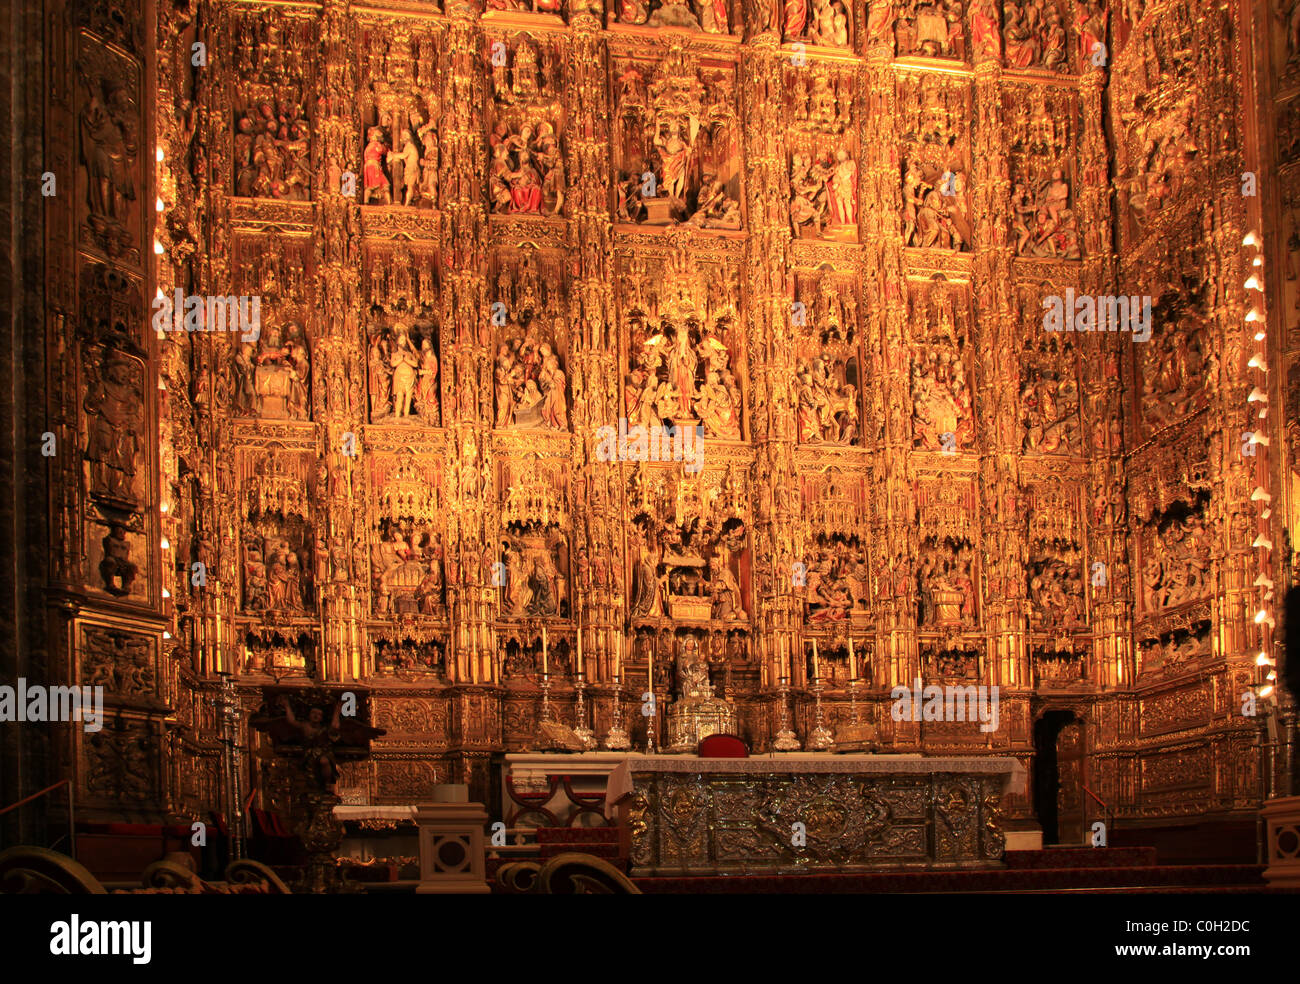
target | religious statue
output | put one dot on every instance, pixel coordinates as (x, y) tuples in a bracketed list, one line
[(426, 394), (842, 190), (406, 167), (109, 148), (405, 363), (374, 181), (117, 570), (986, 34), (114, 406), (696, 713), (674, 156)]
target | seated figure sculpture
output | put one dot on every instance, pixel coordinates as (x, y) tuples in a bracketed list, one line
[(696, 713)]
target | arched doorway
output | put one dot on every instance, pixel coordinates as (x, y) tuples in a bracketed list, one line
[(1059, 759)]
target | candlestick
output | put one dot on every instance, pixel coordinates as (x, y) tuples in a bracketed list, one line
[(786, 740), (581, 731), (546, 697), (821, 737), (617, 739), (652, 721)]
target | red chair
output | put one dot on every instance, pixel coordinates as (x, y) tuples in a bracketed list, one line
[(723, 746)]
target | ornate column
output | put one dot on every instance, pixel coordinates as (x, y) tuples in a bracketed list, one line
[(896, 649), (468, 362), (1004, 543), (598, 489), (473, 525), (339, 365), (767, 304)]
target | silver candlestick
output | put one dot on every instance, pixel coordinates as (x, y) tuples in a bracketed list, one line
[(854, 687), (822, 737), (616, 740), (583, 733), (786, 740), (546, 698), (652, 722)]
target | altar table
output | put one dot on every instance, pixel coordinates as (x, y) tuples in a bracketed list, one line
[(812, 812)]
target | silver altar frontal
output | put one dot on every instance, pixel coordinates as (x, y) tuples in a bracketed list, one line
[(812, 812)]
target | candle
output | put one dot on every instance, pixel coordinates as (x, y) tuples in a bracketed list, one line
[(581, 672), (618, 658), (650, 673), (816, 675), (853, 661), (544, 671), (782, 664)]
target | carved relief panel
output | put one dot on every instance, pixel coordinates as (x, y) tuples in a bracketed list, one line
[(683, 344), (118, 491), (947, 566), (1178, 368), (534, 571), (677, 140), (271, 368), (408, 574), (709, 16), (278, 541), (1054, 576), (828, 23), (527, 120), (829, 367), (401, 110), (934, 171), (1173, 536), (1049, 396), (403, 343), (689, 546), (124, 663), (1154, 113), (110, 179), (531, 341), (270, 104), (1042, 153), (824, 152), (836, 586), (943, 416)]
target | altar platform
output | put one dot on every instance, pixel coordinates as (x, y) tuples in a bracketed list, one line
[(788, 813)]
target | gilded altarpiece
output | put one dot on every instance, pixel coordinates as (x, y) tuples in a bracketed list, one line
[(818, 239)]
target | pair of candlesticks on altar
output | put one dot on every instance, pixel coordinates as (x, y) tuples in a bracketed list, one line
[(785, 669)]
